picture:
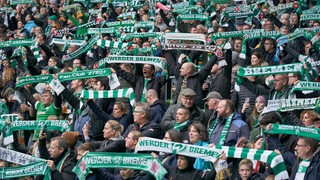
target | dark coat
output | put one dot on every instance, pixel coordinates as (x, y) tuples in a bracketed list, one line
[(148, 130), (158, 108)]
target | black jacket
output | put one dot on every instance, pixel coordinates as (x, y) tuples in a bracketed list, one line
[(158, 108), (148, 130), (137, 82)]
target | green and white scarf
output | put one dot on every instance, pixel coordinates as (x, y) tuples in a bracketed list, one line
[(156, 61), (192, 47), (185, 9), (84, 74), (66, 43), (267, 70), (112, 44), (307, 17), (120, 23), (313, 10), (185, 36), (83, 49), (140, 35), (306, 85), (56, 125), (45, 78), (152, 144), (15, 2), (224, 132), (144, 162), (180, 126), (313, 133), (3, 108), (144, 24), (35, 50), (230, 34), (283, 105), (302, 169), (36, 168), (110, 30), (276, 161), (17, 157), (14, 43), (281, 7), (117, 93)]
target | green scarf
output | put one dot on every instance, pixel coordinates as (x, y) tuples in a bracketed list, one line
[(84, 74), (313, 133), (17, 157), (112, 44), (307, 17), (56, 125), (152, 144), (14, 43), (144, 162), (44, 78), (15, 2), (194, 47), (110, 30), (283, 105), (3, 108), (180, 126), (276, 161), (224, 131), (302, 169), (267, 70), (185, 36), (140, 35), (281, 7), (36, 168), (59, 165), (117, 93), (120, 23), (83, 49), (306, 85)]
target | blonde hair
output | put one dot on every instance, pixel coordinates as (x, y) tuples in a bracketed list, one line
[(115, 125)]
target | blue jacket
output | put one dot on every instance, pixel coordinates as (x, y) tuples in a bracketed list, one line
[(237, 129)]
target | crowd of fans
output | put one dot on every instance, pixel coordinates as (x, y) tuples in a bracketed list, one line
[(209, 106)]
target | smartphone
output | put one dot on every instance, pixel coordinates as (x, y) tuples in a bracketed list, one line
[(247, 100)]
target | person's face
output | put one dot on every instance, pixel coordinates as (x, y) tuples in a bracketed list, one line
[(214, 69), (157, 43), (194, 135), (307, 120), (130, 142), (138, 115), (126, 173), (294, 20), (259, 105), (237, 45), (246, 27), (147, 71), (279, 83), (6, 63), (307, 48), (167, 137), (159, 19), (301, 149), (220, 41), (76, 63), (245, 171), (20, 25), (145, 45), (182, 162), (258, 144), (117, 112), (292, 79), (268, 46), (222, 110), (98, 86), (193, 30), (267, 26), (108, 132), (212, 103), (46, 99), (184, 70), (187, 101), (181, 116), (255, 61), (75, 84), (284, 31), (54, 149), (52, 62), (80, 153)]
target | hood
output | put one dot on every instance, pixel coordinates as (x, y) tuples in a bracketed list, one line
[(162, 104), (190, 160)]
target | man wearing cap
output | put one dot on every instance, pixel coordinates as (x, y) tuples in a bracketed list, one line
[(187, 100), (212, 101)]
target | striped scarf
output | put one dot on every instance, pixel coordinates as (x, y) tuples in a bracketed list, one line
[(117, 93), (302, 169)]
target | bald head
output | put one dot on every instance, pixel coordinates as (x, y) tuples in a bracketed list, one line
[(187, 69), (151, 96)]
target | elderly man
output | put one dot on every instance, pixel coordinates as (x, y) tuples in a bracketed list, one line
[(141, 116), (212, 101), (228, 126), (61, 161), (187, 100)]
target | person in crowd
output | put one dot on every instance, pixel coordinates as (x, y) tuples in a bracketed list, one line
[(252, 117), (187, 100), (112, 132), (308, 117), (182, 123), (141, 118), (228, 126), (158, 107), (132, 140), (212, 101), (82, 150), (246, 171)]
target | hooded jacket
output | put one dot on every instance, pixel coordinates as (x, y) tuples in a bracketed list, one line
[(158, 108)]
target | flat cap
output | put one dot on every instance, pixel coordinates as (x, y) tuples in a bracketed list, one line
[(188, 92), (214, 95)]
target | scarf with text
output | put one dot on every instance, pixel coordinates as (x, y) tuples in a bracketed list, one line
[(185, 36), (281, 7), (15, 2), (152, 144), (112, 44), (306, 85), (283, 105), (44, 78), (313, 133), (17, 157), (140, 35), (144, 162), (117, 93), (191, 47), (84, 74), (308, 17)]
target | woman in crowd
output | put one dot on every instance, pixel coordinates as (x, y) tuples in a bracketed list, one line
[(253, 118), (308, 117)]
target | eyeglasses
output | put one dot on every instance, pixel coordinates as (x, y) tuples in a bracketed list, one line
[(301, 145)]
